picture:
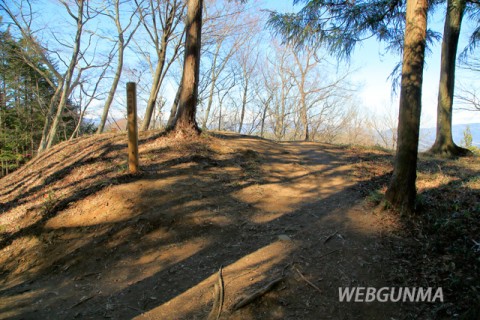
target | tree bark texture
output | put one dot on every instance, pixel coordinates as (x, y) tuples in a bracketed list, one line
[(187, 105), (444, 144), (402, 191)]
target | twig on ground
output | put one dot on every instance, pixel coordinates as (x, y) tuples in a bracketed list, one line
[(82, 300), (307, 281), (326, 254), (257, 294), (330, 237), (136, 309)]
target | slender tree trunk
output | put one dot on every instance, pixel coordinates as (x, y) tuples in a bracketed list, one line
[(244, 104), (68, 79), (220, 116), (303, 114), (281, 116), (113, 88), (444, 144), (212, 86), (48, 119), (152, 99), (162, 66), (187, 106), (122, 44), (402, 192), (76, 132), (264, 115)]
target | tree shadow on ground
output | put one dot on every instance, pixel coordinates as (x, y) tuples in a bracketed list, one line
[(184, 217)]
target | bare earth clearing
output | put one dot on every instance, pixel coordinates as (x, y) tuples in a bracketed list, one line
[(81, 238)]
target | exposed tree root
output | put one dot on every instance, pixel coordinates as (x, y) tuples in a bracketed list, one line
[(218, 298), (449, 151), (184, 130)]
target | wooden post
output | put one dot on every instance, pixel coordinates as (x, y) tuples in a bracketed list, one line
[(132, 127)]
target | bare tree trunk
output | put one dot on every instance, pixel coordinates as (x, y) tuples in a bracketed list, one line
[(444, 144), (113, 89), (304, 115), (220, 116), (68, 79), (402, 192), (122, 43), (187, 107), (48, 119), (152, 99), (173, 11), (264, 115), (212, 86), (244, 104), (302, 90)]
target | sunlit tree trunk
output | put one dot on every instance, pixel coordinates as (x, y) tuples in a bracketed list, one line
[(444, 144), (122, 44), (402, 191), (187, 106), (152, 100), (244, 104), (68, 78), (168, 23)]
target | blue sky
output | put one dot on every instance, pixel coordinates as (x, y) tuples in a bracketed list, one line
[(374, 67)]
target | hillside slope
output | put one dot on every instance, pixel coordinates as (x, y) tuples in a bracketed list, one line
[(81, 238)]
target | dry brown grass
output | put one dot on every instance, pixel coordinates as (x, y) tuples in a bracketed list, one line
[(80, 237)]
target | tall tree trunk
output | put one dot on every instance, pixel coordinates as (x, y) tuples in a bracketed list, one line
[(157, 82), (444, 144), (187, 107), (68, 78), (122, 43), (402, 192), (48, 119), (303, 111), (244, 104), (173, 11), (113, 88)]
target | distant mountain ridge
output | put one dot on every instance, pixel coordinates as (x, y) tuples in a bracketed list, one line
[(427, 135)]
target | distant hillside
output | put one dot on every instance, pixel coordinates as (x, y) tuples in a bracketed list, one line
[(427, 135)]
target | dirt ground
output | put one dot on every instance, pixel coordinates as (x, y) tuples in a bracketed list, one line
[(81, 238)]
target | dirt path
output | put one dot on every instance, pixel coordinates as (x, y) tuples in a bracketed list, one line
[(150, 246)]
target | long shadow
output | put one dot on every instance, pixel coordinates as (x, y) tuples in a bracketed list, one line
[(193, 273), (53, 155), (111, 242), (57, 173)]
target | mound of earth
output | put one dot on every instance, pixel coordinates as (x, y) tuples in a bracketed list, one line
[(207, 223)]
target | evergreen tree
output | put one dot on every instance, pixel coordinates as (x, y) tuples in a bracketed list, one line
[(339, 25), (456, 9), (25, 94)]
